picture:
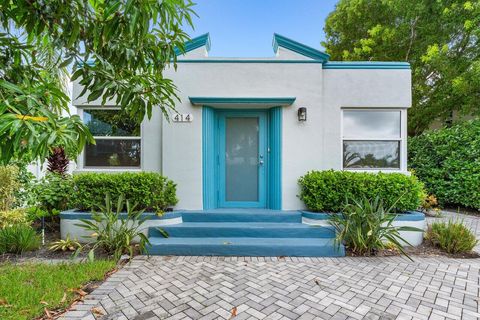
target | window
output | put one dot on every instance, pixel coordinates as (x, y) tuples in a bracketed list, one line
[(372, 139), (118, 140)]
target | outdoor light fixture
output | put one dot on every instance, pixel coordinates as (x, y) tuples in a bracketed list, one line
[(302, 114)]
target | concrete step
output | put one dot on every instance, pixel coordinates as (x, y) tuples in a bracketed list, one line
[(244, 230), (263, 247), (242, 215)]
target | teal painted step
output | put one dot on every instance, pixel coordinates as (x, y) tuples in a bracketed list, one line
[(244, 229), (242, 215), (262, 247)]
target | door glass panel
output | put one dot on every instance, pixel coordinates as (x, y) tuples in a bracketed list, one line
[(241, 159)]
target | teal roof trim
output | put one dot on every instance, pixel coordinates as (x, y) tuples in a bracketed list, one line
[(195, 43), (280, 101), (324, 65), (210, 60), (365, 65), (284, 42)]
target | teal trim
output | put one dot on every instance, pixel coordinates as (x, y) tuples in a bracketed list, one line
[(243, 100), (284, 42), (365, 65), (208, 157), (76, 215), (262, 150), (211, 142), (212, 60), (326, 65), (275, 159), (195, 43), (411, 216)]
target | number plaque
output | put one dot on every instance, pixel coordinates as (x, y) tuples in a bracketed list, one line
[(182, 117)]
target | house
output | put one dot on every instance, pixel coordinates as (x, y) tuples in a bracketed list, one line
[(247, 129)]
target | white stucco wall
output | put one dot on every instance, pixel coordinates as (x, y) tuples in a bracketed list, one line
[(183, 148), (314, 144)]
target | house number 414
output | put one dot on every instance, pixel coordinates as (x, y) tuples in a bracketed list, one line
[(182, 117)]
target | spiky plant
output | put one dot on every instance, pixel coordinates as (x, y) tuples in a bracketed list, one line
[(58, 161)]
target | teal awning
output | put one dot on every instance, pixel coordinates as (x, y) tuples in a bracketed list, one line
[(261, 101)]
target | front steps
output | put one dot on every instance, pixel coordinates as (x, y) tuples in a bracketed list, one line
[(242, 215), (244, 232)]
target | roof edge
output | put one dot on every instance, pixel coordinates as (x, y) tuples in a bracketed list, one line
[(366, 65), (195, 43), (284, 42)]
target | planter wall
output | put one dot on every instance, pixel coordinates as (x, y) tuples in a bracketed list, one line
[(411, 218), (69, 220)]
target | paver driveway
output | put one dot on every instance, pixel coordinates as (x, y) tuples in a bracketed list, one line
[(288, 288)]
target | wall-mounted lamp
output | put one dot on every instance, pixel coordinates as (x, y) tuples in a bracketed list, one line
[(302, 114)]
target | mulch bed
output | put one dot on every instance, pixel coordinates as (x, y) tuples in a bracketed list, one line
[(425, 250), (41, 254), (44, 254)]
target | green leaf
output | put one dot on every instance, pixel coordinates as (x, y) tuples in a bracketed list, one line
[(91, 255), (94, 95), (74, 34), (65, 62), (163, 232), (10, 86)]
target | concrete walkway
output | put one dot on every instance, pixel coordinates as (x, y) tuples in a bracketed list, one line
[(289, 288)]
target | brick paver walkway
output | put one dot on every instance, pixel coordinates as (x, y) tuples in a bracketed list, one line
[(289, 288)]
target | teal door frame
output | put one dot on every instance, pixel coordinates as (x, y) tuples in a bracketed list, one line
[(262, 161), (213, 175)]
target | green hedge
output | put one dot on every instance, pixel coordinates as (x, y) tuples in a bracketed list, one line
[(149, 190), (448, 162), (328, 190)]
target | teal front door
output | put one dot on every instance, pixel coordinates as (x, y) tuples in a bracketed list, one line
[(242, 159)]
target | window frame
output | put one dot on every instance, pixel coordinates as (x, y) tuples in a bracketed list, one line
[(402, 139), (81, 158)]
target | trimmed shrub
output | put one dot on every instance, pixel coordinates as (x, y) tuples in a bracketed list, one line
[(329, 190), (18, 239), (53, 193), (149, 190), (451, 236), (448, 162)]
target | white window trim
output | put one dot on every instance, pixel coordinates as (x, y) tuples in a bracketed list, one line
[(402, 140), (81, 158)]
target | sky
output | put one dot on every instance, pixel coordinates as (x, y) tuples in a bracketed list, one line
[(244, 28)]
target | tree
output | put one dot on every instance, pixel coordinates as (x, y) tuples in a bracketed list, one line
[(117, 49), (440, 39)]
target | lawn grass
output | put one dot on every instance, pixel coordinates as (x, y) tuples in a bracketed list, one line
[(25, 290)]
